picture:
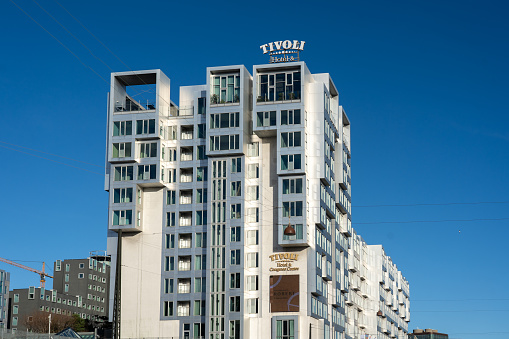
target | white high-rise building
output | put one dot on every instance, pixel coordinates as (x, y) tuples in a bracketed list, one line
[(234, 207)]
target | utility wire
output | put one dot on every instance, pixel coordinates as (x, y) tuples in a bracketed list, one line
[(58, 162), (52, 154), (435, 204)]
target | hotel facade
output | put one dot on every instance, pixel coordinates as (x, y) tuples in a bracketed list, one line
[(234, 211)]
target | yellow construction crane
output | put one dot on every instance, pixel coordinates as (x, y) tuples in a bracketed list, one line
[(41, 273)]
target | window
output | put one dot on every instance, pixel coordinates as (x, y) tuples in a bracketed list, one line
[(201, 174), (199, 285), (252, 306), (172, 154), (201, 131), (81, 275), (235, 234), (235, 280), (168, 308), (252, 283), (224, 120), (290, 117), (252, 150), (148, 150), (122, 150), (171, 197), (290, 139), (122, 195), (235, 304), (292, 208), (234, 329), (225, 89), (201, 196), (15, 309), (265, 119), (201, 105), (172, 132), (201, 218), (199, 307), (123, 173), (252, 260), (145, 126), (170, 219), (285, 329), (66, 288), (298, 232), (169, 263), (252, 237), (236, 189), (235, 211), (169, 241), (279, 86), (253, 171), (123, 217), (121, 128), (236, 165), (252, 214), (15, 321), (168, 285), (253, 192), (16, 298), (172, 175), (200, 240), (200, 262), (146, 172), (292, 186), (201, 152), (290, 162), (224, 142), (235, 257)]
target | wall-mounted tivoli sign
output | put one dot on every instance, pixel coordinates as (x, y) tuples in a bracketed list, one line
[(283, 51), (284, 262)]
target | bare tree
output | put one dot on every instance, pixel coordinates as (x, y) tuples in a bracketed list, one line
[(38, 322)]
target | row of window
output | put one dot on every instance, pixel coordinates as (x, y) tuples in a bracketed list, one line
[(184, 263), (122, 128), (149, 172), (269, 118), (185, 218), (186, 196), (279, 86), (185, 240)]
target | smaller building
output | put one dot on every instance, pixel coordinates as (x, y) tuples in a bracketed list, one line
[(427, 334), (80, 286), (4, 297)]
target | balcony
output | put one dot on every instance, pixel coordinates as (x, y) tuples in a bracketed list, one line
[(184, 286), (133, 106), (278, 98)]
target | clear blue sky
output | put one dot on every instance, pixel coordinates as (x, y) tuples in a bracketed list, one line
[(423, 82)]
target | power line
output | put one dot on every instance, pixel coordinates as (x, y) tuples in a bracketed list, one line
[(58, 162), (52, 154), (435, 204), (428, 221)]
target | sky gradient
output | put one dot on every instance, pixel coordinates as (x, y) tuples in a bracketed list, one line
[(424, 84)]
